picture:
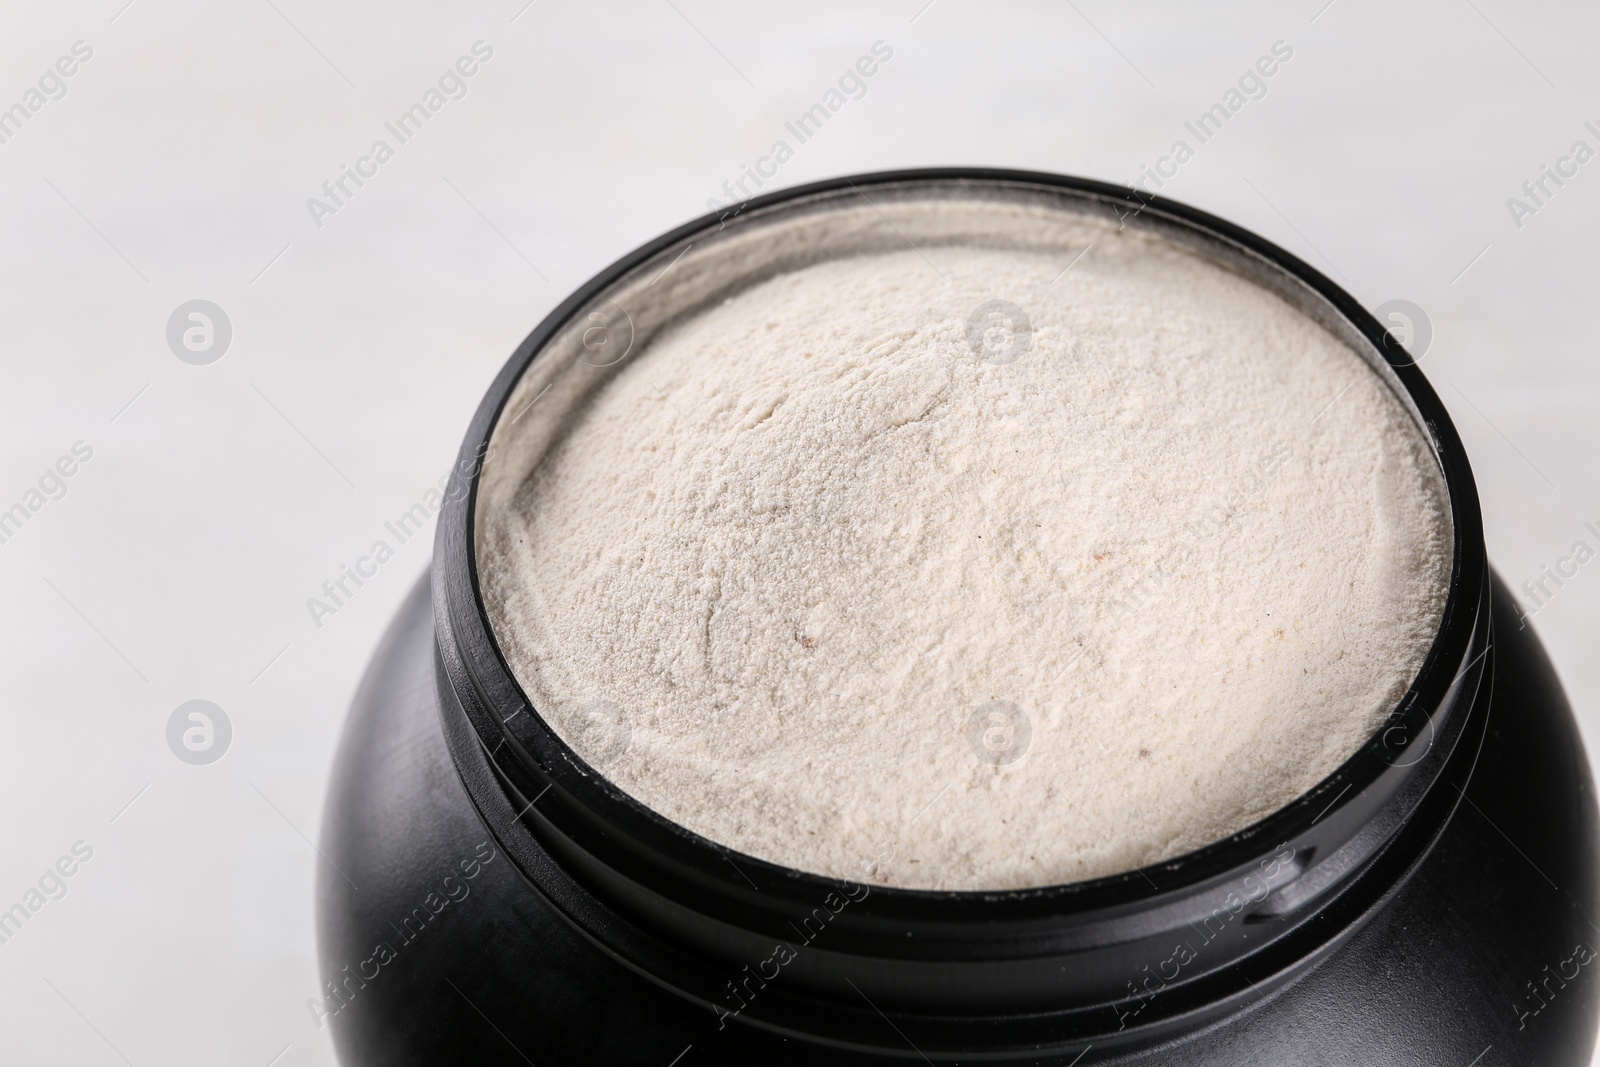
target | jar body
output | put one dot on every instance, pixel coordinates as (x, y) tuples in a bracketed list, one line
[(1427, 902), (450, 952)]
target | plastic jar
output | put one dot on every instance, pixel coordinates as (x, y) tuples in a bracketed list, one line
[(1428, 902)]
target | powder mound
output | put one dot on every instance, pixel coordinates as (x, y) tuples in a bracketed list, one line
[(838, 579)]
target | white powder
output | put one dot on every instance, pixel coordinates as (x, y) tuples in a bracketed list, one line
[(813, 579)]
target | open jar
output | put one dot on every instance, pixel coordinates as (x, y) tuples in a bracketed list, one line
[(1426, 902)]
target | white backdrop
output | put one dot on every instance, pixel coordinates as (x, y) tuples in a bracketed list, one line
[(175, 164)]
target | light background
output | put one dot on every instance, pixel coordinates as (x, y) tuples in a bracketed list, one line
[(220, 497)]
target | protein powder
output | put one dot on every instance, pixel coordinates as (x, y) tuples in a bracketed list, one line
[(973, 568)]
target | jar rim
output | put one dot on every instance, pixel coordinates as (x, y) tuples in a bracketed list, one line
[(630, 849)]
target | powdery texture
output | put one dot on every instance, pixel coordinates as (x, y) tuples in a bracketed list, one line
[(773, 570)]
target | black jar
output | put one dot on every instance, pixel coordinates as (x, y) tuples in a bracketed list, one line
[(490, 898)]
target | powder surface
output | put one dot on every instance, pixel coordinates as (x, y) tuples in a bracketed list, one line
[(825, 578)]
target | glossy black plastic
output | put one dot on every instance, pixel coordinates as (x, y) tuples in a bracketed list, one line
[(603, 933)]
